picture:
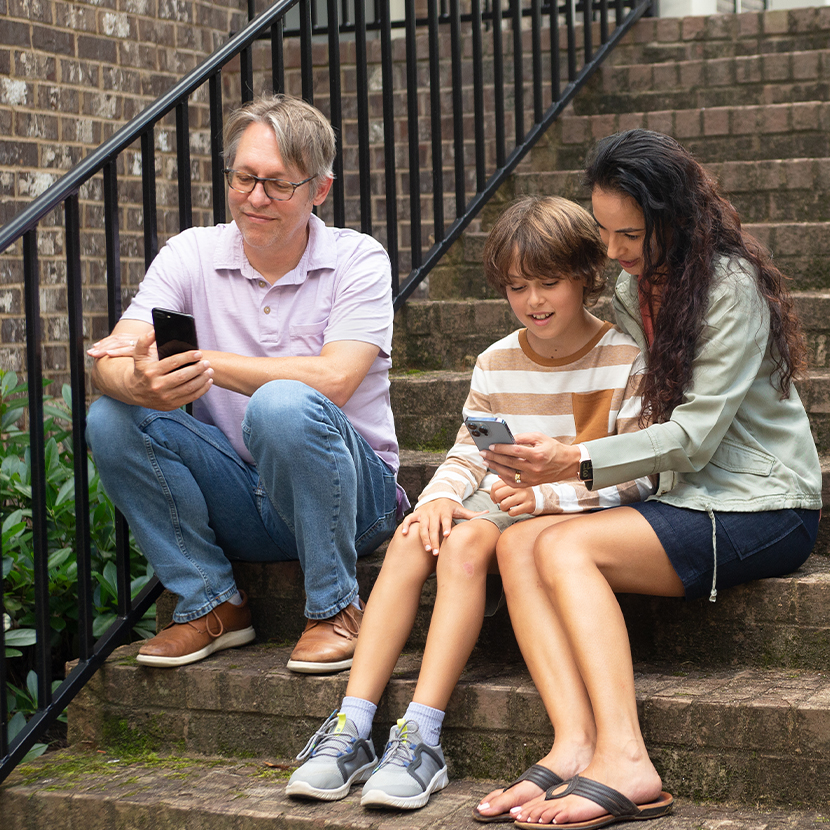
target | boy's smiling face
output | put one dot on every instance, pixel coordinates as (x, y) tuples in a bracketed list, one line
[(552, 309)]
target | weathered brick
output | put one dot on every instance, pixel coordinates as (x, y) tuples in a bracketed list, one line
[(36, 125), (102, 49), (14, 33), (716, 121)]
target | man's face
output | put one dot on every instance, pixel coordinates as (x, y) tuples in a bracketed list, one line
[(270, 227)]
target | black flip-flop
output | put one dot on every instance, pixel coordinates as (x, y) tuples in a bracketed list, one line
[(619, 808), (538, 775)]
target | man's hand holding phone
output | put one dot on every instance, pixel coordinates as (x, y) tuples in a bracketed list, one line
[(158, 383)]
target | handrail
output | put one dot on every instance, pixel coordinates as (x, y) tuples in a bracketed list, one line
[(468, 169)]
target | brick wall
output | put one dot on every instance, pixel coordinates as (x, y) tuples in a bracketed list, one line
[(71, 74)]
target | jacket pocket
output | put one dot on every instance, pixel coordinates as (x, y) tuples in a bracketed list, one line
[(737, 458)]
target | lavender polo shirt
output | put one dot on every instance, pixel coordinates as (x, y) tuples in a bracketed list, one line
[(340, 290)]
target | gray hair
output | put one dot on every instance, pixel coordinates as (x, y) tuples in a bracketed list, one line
[(304, 135)]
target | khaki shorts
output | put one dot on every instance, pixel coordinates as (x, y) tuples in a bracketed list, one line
[(480, 500)]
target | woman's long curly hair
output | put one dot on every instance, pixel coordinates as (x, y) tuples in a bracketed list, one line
[(688, 223)]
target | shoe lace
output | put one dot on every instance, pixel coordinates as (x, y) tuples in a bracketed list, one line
[(399, 750), (327, 743)]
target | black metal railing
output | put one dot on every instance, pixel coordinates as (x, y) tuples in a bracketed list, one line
[(528, 61)]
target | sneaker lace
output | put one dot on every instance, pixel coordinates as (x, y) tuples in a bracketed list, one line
[(399, 750), (324, 742)]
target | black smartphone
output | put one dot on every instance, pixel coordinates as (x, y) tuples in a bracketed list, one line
[(489, 430), (175, 332)]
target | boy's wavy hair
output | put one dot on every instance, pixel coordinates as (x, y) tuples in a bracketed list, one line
[(304, 135), (546, 237), (688, 223)]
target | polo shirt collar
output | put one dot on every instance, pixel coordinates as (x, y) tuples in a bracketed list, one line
[(320, 253)]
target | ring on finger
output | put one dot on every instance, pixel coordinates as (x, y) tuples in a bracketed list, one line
[(518, 477)]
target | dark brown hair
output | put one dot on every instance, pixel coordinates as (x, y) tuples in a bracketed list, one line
[(688, 224), (547, 237)]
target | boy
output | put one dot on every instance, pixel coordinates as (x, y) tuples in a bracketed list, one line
[(567, 374)]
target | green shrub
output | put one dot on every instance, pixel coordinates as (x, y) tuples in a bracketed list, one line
[(17, 541)]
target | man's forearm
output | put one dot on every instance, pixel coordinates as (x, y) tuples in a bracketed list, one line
[(335, 373)]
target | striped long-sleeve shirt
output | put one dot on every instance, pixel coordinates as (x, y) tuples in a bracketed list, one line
[(590, 394)]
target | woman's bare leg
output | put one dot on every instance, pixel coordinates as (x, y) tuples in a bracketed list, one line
[(581, 564), (390, 615), (547, 654), (463, 562)]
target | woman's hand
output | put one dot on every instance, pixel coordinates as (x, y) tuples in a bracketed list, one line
[(534, 459), (435, 520), (513, 500)]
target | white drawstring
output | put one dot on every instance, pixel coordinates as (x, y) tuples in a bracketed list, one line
[(713, 594)]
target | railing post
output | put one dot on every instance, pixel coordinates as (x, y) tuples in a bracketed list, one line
[(37, 449)]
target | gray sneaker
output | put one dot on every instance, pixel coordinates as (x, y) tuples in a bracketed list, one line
[(409, 772), (337, 758)]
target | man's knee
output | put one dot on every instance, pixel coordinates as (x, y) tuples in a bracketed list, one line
[(282, 407)]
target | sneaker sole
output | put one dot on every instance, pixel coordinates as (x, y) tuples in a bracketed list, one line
[(379, 798), (302, 789), (232, 639), (306, 667)]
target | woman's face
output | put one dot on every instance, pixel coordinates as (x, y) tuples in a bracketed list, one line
[(622, 227)]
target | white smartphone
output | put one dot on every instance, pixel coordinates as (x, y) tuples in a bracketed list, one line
[(488, 430)]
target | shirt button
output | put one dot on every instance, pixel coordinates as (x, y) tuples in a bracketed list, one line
[(263, 284), (267, 309)]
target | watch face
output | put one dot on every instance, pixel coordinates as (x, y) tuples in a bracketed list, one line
[(586, 470)]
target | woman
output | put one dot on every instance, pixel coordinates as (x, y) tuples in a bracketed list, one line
[(740, 485)]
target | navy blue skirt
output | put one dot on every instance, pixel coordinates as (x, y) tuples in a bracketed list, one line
[(750, 545)]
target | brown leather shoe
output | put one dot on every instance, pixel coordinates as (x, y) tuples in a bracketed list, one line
[(327, 646), (226, 626)]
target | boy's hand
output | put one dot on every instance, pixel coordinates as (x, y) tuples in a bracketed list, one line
[(537, 458), (435, 521), (512, 500)]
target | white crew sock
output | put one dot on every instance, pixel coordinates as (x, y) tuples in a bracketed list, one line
[(360, 712), (429, 721)]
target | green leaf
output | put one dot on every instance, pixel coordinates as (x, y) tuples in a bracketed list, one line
[(8, 381), (31, 684), (21, 637), (67, 490), (16, 725)]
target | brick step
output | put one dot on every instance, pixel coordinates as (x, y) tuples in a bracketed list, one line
[(764, 191), (427, 407), (739, 133), (619, 74), (775, 622), (450, 334), (752, 735), (753, 79), (113, 790), (714, 37)]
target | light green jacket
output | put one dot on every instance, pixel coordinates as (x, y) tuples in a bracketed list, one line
[(732, 445)]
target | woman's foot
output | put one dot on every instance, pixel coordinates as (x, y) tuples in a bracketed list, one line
[(638, 781), (504, 800)]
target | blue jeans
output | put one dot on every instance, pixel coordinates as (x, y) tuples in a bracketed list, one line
[(318, 494)]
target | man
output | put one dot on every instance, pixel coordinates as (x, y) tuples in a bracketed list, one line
[(291, 452)]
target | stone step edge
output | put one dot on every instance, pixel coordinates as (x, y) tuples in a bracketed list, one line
[(173, 791), (474, 704)]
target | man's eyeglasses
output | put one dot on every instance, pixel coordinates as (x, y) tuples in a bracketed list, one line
[(277, 190)]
